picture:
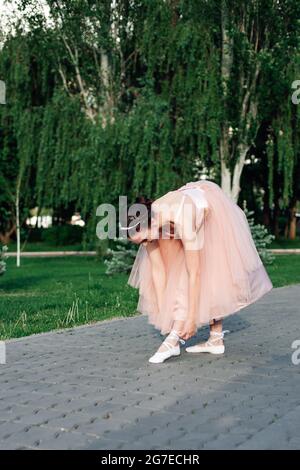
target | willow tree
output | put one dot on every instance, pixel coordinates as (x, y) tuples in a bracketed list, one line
[(92, 51), (19, 134), (142, 96), (84, 40), (259, 40), (210, 63)]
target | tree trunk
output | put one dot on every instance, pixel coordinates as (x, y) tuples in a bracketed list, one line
[(276, 220), (107, 109), (292, 222), (225, 173), (226, 63), (5, 237), (18, 225), (227, 52), (266, 209), (248, 109), (237, 172)]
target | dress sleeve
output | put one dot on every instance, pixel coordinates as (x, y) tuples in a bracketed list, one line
[(191, 223)]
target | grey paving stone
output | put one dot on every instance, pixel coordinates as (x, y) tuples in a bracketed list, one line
[(104, 444), (98, 427), (8, 430), (278, 434), (294, 444), (225, 442)]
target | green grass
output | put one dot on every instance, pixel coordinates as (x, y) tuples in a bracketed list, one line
[(43, 246), (50, 293), (285, 270)]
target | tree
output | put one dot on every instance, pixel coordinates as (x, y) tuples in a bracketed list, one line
[(260, 42), (136, 96), (84, 39), (19, 134)]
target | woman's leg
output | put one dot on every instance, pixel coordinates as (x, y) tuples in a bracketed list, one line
[(177, 325), (216, 326)]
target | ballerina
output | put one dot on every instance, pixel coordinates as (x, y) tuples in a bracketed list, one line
[(196, 264)]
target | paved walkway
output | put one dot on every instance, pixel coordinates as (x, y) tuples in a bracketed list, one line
[(54, 254), (93, 388)]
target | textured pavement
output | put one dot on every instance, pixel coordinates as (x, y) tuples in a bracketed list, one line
[(92, 387)]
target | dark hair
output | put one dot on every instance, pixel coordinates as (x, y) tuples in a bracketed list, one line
[(148, 203), (130, 218)]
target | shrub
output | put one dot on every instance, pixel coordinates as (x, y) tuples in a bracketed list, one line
[(261, 237), (102, 249), (60, 235), (34, 234), (120, 259)]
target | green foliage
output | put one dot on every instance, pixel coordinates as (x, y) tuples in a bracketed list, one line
[(77, 136), (121, 258), (102, 247), (262, 238), (60, 235)]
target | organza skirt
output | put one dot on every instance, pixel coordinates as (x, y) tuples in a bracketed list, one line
[(232, 275)]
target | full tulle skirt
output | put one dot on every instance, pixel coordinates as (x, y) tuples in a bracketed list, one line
[(232, 275)]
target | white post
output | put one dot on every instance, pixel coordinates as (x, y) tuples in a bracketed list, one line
[(18, 227)]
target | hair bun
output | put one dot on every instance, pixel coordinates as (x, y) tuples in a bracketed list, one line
[(144, 200)]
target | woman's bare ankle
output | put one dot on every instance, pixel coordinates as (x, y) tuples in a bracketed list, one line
[(171, 340), (216, 341)]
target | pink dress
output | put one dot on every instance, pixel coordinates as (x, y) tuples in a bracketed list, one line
[(232, 273)]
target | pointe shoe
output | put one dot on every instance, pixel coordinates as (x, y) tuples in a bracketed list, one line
[(161, 356), (208, 346)]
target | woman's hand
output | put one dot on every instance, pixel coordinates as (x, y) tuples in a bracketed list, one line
[(189, 329)]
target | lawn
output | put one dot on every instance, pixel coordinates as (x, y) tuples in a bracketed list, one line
[(44, 246), (50, 293), (285, 270)]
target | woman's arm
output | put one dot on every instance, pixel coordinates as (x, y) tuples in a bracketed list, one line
[(158, 270), (192, 243), (193, 268)]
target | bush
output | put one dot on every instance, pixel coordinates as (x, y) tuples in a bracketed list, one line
[(102, 249), (33, 234), (121, 258), (60, 235), (261, 237)]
